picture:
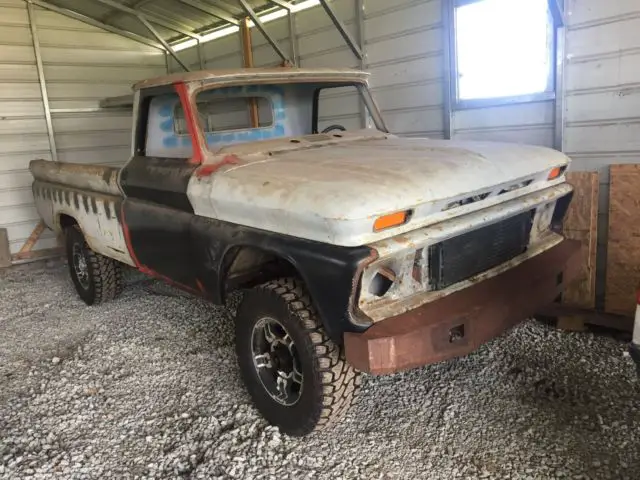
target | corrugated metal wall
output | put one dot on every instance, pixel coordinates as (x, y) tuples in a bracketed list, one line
[(403, 46), (531, 123), (82, 64), (602, 103)]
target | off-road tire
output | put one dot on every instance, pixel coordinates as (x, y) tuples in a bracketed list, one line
[(104, 273), (330, 384)]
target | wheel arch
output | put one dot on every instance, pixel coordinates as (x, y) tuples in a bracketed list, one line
[(64, 220), (245, 266), (330, 282)]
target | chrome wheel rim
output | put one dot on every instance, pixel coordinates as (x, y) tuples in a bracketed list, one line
[(276, 360), (80, 267)]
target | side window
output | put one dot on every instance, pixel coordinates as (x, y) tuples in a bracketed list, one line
[(167, 134), (339, 106)]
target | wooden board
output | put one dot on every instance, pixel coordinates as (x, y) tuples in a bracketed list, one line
[(5, 252), (581, 223), (623, 245)]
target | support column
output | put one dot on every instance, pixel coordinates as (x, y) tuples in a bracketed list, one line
[(293, 38), (42, 81), (447, 59), (247, 57), (361, 43)]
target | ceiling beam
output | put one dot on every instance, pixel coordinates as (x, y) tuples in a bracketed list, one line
[(155, 33), (341, 28), (171, 25), (90, 21), (110, 16), (211, 10), (260, 26), (282, 4)]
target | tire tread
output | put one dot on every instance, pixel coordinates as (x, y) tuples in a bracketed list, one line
[(340, 382)]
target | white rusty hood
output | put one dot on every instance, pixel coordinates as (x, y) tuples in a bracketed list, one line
[(332, 191)]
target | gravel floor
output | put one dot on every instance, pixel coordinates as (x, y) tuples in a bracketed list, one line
[(147, 386)]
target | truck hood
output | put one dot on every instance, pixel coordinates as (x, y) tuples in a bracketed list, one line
[(332, 190)]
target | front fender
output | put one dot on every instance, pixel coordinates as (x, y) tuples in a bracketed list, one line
[(331, 273)]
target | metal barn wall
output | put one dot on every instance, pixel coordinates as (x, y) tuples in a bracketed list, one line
[(405, 57), (403, 52), (602, 102), (531, 123), (82, 64)]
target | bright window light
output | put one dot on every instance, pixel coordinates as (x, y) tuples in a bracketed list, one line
[(266, 18), (503, 48)]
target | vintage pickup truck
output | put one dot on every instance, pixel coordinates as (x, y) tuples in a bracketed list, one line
[(357, 250)]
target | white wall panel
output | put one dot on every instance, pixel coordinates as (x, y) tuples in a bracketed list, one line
[(531, 123), (602, 104), (82, 65), (404, 55)]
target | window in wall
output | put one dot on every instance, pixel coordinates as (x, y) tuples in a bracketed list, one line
[(504, 48)]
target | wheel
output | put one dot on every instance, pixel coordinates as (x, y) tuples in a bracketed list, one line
[(97, 278), (296, 376)]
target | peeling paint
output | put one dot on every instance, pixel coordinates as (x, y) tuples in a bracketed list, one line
[(211, 168)]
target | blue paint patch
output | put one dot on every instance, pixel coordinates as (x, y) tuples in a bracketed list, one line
[(279, 130), (170, 142), (167, 125), (166, 110), (279, 113)]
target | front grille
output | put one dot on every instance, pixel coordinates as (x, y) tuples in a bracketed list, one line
[(474, 252)]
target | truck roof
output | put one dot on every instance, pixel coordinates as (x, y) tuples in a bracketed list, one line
[(251, 75)]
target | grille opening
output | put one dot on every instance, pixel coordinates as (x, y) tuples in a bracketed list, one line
[(471, 253)]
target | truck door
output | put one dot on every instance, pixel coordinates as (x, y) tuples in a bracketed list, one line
[(156, 213)]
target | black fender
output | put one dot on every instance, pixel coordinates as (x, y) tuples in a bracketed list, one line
[(330, 272), (194, 253)]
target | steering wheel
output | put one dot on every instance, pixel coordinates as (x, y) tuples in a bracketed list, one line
[(334, 127)]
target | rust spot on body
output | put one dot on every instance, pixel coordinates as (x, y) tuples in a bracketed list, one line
[(210, 169)]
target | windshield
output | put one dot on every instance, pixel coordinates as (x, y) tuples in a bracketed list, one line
[(238, 114)]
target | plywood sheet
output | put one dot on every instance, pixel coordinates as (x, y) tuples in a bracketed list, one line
[(581, 224), (623, 246), (583, 211), (623, 275)]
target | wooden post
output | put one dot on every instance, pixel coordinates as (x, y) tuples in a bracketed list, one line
[(247, 55), (5, 253)]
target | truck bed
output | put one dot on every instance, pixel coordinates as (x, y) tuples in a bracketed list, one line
[(88, 196)]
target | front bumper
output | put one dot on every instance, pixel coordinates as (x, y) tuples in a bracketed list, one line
[(459, 323)]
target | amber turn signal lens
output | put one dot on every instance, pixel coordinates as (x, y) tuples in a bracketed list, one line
[(391, 220), (555, 173)]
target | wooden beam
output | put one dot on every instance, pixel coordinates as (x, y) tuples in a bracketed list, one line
[(38, 255), (5, 252), (32, 240), (581, 223), (247, 56), (260, 26)]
